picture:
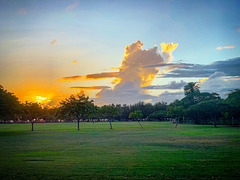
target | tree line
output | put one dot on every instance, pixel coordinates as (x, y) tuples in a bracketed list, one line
[(196, 107)]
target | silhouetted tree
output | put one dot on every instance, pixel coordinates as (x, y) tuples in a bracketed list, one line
[(9, 105), (32, 112), (191, 87)]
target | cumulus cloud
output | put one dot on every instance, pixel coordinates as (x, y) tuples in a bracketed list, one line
[(53, 41), (126, 94), (72, 6), (167, 51), (171, 85), (133, 74), (217, 83), (169, 96), (224, 47)]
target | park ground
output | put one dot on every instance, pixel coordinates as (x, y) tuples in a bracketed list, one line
[(158, 151)]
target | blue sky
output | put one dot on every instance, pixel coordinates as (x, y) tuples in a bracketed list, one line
[(96, 34)]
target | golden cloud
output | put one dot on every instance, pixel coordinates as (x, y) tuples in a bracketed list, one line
[(101, 75), (70, 78), (90, 76), (225, 47), (90, 87), (53, 41), (168, 47)]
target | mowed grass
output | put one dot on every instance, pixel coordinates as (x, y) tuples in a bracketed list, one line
[(158, 151)]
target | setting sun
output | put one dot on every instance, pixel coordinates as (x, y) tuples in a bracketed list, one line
[(40, 99)]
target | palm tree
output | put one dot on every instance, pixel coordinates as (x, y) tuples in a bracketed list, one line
[(191, 87)]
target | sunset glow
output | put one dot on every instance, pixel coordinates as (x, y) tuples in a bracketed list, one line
[(40, 99), (53, 50)]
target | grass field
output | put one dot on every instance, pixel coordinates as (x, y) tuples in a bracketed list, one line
[(158, 151)]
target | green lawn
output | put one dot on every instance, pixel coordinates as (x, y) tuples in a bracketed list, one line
[(158, 151)]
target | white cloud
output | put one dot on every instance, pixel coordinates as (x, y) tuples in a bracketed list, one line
[(217, 83), (169, 96)]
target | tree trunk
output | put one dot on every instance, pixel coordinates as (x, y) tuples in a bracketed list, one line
[(32, 125), (110, 122), (214, 121), (78, 123), (139, 123), (177, 121)]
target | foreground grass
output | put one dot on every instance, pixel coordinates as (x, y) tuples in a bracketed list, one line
[(158, 151)]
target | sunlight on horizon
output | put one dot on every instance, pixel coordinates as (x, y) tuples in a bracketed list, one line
[(41, 99)]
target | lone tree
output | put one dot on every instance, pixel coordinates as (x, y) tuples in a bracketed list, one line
[(78, 107), (190, 88), (176, 112), (109, 112), (32, 111), (136, 115)]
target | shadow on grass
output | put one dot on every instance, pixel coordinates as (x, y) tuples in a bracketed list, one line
[(13, 133)]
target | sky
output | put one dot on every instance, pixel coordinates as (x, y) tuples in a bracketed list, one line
[(118, 52)]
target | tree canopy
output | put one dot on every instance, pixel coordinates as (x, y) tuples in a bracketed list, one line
[(191, 87), (78, 107), (137, 114), (108, 112), (9, 105), (197, 107)]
